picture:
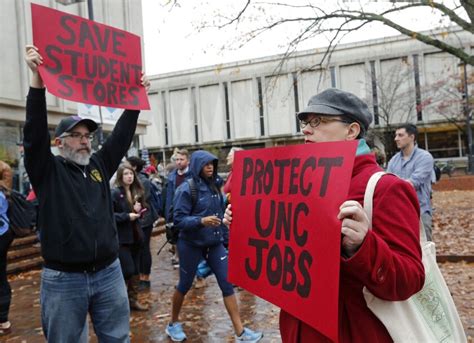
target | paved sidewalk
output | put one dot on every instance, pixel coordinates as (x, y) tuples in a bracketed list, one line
[(203, 313)]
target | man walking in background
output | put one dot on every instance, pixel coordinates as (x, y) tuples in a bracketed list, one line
[(175, 178), (414, 165)]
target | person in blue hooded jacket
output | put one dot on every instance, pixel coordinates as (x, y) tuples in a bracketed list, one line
[(202, 236)]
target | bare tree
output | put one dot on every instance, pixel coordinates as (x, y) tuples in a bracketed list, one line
[(334, 20), (395, 101), (349, 16), (441, 100)]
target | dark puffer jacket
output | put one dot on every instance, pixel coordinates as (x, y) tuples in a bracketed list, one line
[(209, 202)]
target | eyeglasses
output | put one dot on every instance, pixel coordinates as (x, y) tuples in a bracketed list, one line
[(318, 120), (78, 136)]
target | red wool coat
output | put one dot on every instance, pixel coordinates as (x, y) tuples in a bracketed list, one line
[(388, 262)]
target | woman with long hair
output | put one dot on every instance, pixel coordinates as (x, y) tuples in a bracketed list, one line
[(129, 205), (6, 238)]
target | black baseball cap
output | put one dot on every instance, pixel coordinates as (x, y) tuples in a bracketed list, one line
[(68, 123), (336, 102)]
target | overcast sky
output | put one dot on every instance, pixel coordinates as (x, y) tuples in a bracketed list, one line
[(173, 42)]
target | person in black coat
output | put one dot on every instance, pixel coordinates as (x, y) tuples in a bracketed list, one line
[(129, 207), (146, 222)]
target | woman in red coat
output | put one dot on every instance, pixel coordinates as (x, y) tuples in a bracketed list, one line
[(386, 258)]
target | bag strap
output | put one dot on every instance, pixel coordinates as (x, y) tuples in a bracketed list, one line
[(369, 199), (5, 217), (194, 191), (369, 194)]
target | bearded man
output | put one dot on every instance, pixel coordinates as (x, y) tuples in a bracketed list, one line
[(79, 244)]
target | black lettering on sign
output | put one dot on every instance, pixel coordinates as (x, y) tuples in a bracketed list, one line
[(102, 41), (259, 245), (99, 91), (71, 38), (122, 96), (268, 178), (274, 265), (264, 232), (247, 173), (304, 263), (62, 79), (283, 220), (289, 273), (56, 68), (328, 164), (103, 67), (90, 66), (113, 70), (258, 177), (309, 163), (85, 35), (134, 94), (111, 90), (74, 55), (300, 239), (116, 43), (137, 73), (84, 83), (124, 72), (281, 165), (295, 162)]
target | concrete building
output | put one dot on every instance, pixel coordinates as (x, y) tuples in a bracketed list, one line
[(253, 103), (15, 33)]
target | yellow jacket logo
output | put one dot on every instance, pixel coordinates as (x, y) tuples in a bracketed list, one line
[(95, 175)]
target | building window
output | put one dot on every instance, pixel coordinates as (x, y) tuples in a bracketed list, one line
[(196, 127), (443, 144), (227, 114), (375, 101), (297, 106), (332, 71), (260, 106), (165, 117), (416, 71)]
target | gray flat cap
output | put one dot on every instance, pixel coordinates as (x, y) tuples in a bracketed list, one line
[(337, 102)]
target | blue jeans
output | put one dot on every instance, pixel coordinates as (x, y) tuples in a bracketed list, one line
[(66, 298), (5, 291), (145, 253)]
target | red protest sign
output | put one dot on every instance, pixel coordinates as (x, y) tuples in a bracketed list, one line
[(88, 62), (285, 235)]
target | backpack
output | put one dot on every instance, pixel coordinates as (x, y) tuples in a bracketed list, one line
[(155, 198), (21, 213), (172, 232)]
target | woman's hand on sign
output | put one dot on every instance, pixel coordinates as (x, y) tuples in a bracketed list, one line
[(355, 225), (34, 60), (228, 215), (145, 82), (212, 221)]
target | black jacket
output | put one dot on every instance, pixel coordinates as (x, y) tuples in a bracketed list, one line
[(122, 212), (151, 214), (76, 219)]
